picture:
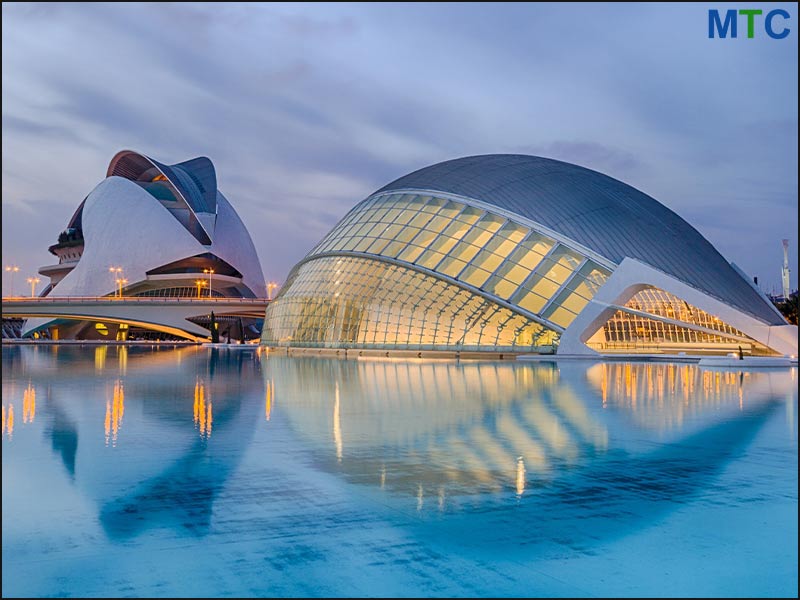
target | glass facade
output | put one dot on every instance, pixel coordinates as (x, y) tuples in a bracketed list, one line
[(359, 302), (498, 256), (646, 324)]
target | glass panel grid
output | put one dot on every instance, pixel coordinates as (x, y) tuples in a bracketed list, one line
[(478, 248), (360, 302)]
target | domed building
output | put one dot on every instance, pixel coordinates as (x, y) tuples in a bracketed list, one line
[(520, 254), (151, 229)]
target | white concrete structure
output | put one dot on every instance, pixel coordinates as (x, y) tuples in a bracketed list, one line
[(521, 254), (151, 229), (165, 315)]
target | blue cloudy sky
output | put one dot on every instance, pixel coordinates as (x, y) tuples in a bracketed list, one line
[(307, 108)]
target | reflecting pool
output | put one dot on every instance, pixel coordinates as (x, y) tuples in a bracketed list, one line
[(189, 471)]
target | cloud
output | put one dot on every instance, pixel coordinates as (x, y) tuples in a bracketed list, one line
[(306, 109)]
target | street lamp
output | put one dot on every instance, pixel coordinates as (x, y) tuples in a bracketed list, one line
[(121, 282), (210, 272), (12, 269), (116, 273), (200, 284), (33, 281), (270, 286)]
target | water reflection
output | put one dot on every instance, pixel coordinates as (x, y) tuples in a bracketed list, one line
[(115, 409), (160, 473), (29, 404), (554, 434), (203, 417), (581, 450), (468, 427)]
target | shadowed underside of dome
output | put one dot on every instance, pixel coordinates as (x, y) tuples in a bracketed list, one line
[(599, 212), (196, 179)]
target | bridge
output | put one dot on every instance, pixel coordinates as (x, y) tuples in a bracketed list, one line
[(169, 315)]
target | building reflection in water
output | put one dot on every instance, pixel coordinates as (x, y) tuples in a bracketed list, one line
[(663, 396), (269, 396), (28, 404), (203, 410), (8, 421), (28, 411), (437, 427), (435, 434), (171, 476), (442, 428), (100, 353), (115, 409)]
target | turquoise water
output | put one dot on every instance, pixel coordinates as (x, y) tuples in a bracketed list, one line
[(211, 472)]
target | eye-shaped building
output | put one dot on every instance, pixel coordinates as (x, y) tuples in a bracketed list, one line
[(151, 229), (515, 253)]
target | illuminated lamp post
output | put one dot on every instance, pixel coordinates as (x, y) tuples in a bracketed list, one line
[(210, 272), (200, 284), (33, 281), (116, 273), (121, 282), (12, 269), (270, 286)]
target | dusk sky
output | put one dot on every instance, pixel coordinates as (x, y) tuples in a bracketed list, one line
[(305, 109)]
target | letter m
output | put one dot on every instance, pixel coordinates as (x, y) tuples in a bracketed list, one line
[(714, 23)]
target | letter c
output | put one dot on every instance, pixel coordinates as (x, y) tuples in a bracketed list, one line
[(768, 24)]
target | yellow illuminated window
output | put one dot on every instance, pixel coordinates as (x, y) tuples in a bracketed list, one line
[(464, 251), (437, 224), (433, 205), (501, 246), (393, 249), (478, 237), (514, 273), (377, 246), (574, 303), (451, 266), (545, 287), (411, 253), (474, 276), (490, 222), (405, 216), (430, 259), (451, 209), (532, 302), (513, 232), (561, 316), (487, 260), (502, 288), (470, 215)]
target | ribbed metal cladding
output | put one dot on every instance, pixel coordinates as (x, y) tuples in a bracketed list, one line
[(603, 214)]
